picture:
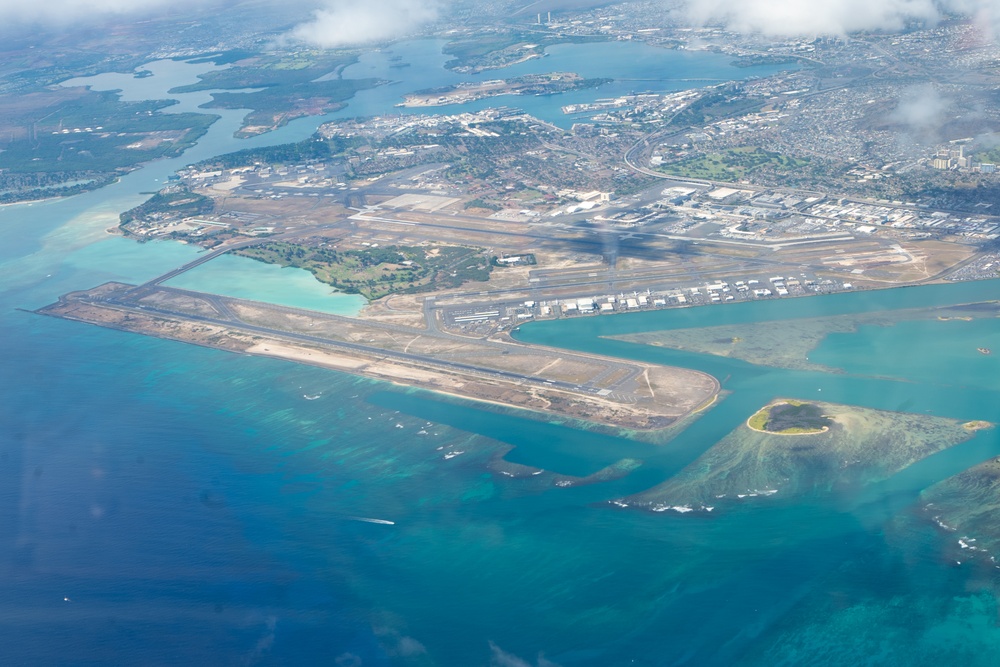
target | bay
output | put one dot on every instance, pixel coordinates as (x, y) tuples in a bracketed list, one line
[(633, 66)]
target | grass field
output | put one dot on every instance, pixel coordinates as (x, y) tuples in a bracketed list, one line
[(378, 272), (732, 164)]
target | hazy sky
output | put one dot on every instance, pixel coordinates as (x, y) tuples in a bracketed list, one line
[(69, 11), (334, 22), (348, 22)]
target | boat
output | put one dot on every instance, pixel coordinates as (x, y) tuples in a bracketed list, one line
[(984, 350), (385, 522)]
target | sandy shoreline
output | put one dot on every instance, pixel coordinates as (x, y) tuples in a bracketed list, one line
[(768, 407)]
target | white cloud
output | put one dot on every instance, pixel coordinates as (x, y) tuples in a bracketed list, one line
[(833, 17), (921, 107), (985, 14), (810, 17), (351, 22), (921, 112)]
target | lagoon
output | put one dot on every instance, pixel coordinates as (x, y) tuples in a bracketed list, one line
[(245, 278)]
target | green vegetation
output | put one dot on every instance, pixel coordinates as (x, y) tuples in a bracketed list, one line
[(482, 203), (758, 421), (992, 156), (862, 446), (87, 141), (723, 102), (276, 71), (465, 50), (758, 59), (376, 272), (16, 187), (733, 163), (29, 72), (221, 58), (179, 203), (303, 151), (105, 151), (498, 50), (288, 87), (790, 418), (483, 157), (273, 107)]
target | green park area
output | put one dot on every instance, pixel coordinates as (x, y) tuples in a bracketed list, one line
[(379, 271), (732, 164)]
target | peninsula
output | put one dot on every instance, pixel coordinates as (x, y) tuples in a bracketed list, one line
[(591, 388), (532, 84)]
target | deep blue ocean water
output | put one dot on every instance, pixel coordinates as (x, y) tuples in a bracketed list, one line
[(166, 504)]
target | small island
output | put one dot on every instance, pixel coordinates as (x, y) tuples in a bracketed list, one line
[(861, 446), (790, 418), (532, 84)]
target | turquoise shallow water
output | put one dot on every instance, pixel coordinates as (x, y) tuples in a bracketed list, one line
[(911, 351), (167, 504), (246, 278)]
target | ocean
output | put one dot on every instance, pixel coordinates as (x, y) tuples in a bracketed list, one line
[(167, 504)]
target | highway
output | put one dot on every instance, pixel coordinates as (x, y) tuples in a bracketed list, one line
[(201, 259)]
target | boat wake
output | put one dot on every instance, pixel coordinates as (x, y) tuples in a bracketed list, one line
[(368, 520)]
